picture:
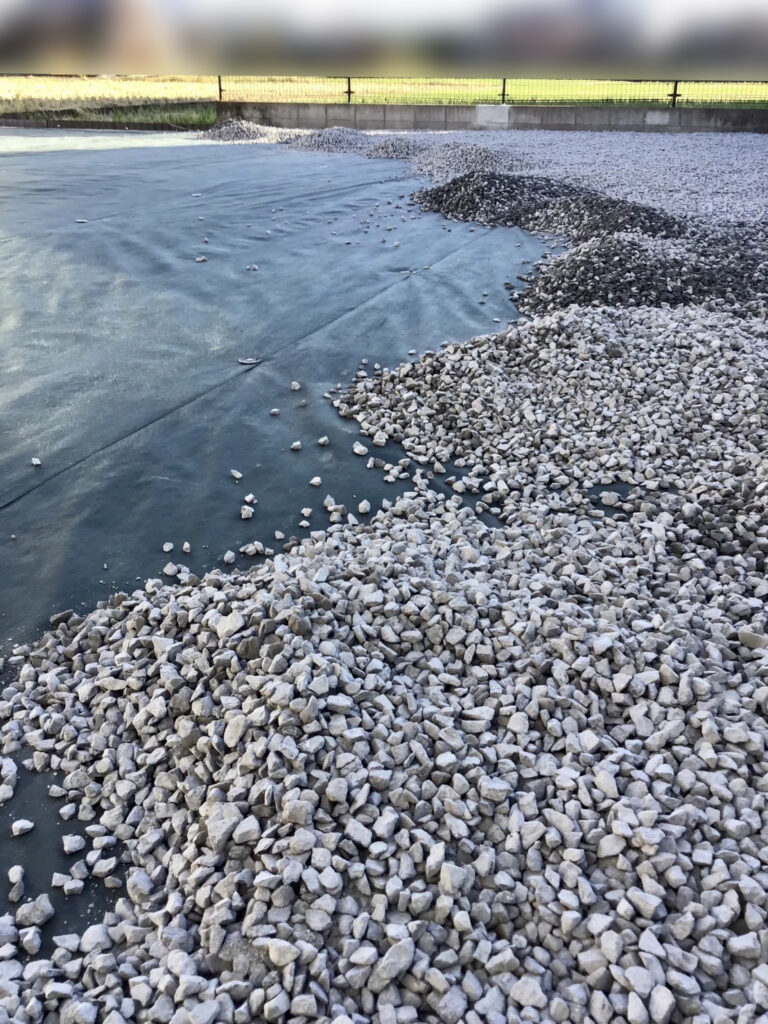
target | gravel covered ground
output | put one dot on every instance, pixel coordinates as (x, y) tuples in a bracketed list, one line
[(717, 176), (500, 754)]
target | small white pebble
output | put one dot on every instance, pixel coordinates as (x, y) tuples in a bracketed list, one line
[(168, 546), (236, 474), (274, 412), (36, 462), (359, 449), (295, 386), (323, 441), (315, 481), (186, 547), (228, 557), (364, 507), (306, 512), (279, 535), (250, 499), (296, 446), (21, 826), (201, 259), (246, 512), (170, 569)]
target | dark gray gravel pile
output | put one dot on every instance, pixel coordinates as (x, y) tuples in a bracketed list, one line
[(542, 204), (726, 267), (625, 254)]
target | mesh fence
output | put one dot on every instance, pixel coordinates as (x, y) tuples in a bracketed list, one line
[(724, 94), (287, 89)]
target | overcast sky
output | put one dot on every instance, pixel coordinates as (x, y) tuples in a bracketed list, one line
[(660, 18)]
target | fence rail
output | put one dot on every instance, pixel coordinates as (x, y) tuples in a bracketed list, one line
[(329, 90)]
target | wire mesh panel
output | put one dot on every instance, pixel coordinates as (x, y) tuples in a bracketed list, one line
[(456, 91), (450, 91), (283, 89), (718, 94), (585, 91)]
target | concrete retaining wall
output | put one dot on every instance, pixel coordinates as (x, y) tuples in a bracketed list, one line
[(496, 115)]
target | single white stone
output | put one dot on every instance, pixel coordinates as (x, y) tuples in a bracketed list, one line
[(527, 992), (230, 624), (282, 953), (72, 843)]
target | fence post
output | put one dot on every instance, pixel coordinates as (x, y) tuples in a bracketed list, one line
[(673, 94), (503, 90), (349, 90), (219, 77)]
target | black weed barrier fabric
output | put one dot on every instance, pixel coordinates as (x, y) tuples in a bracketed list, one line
[(119, 351)]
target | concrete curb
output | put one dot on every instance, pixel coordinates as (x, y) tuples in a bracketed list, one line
[(479, 116)]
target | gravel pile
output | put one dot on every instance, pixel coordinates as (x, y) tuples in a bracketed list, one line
[(332, 140), (246, 131), (716, 267), (627, 254), (442, 161), (654, 398), (397, 147), (542, 204)]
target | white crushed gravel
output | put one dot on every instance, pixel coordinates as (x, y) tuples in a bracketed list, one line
[(493, 757), (238, 130)]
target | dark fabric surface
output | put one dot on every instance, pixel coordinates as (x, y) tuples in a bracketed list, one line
[(119, 353)]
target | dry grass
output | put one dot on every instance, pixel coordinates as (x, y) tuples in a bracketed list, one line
[(27, 93)]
